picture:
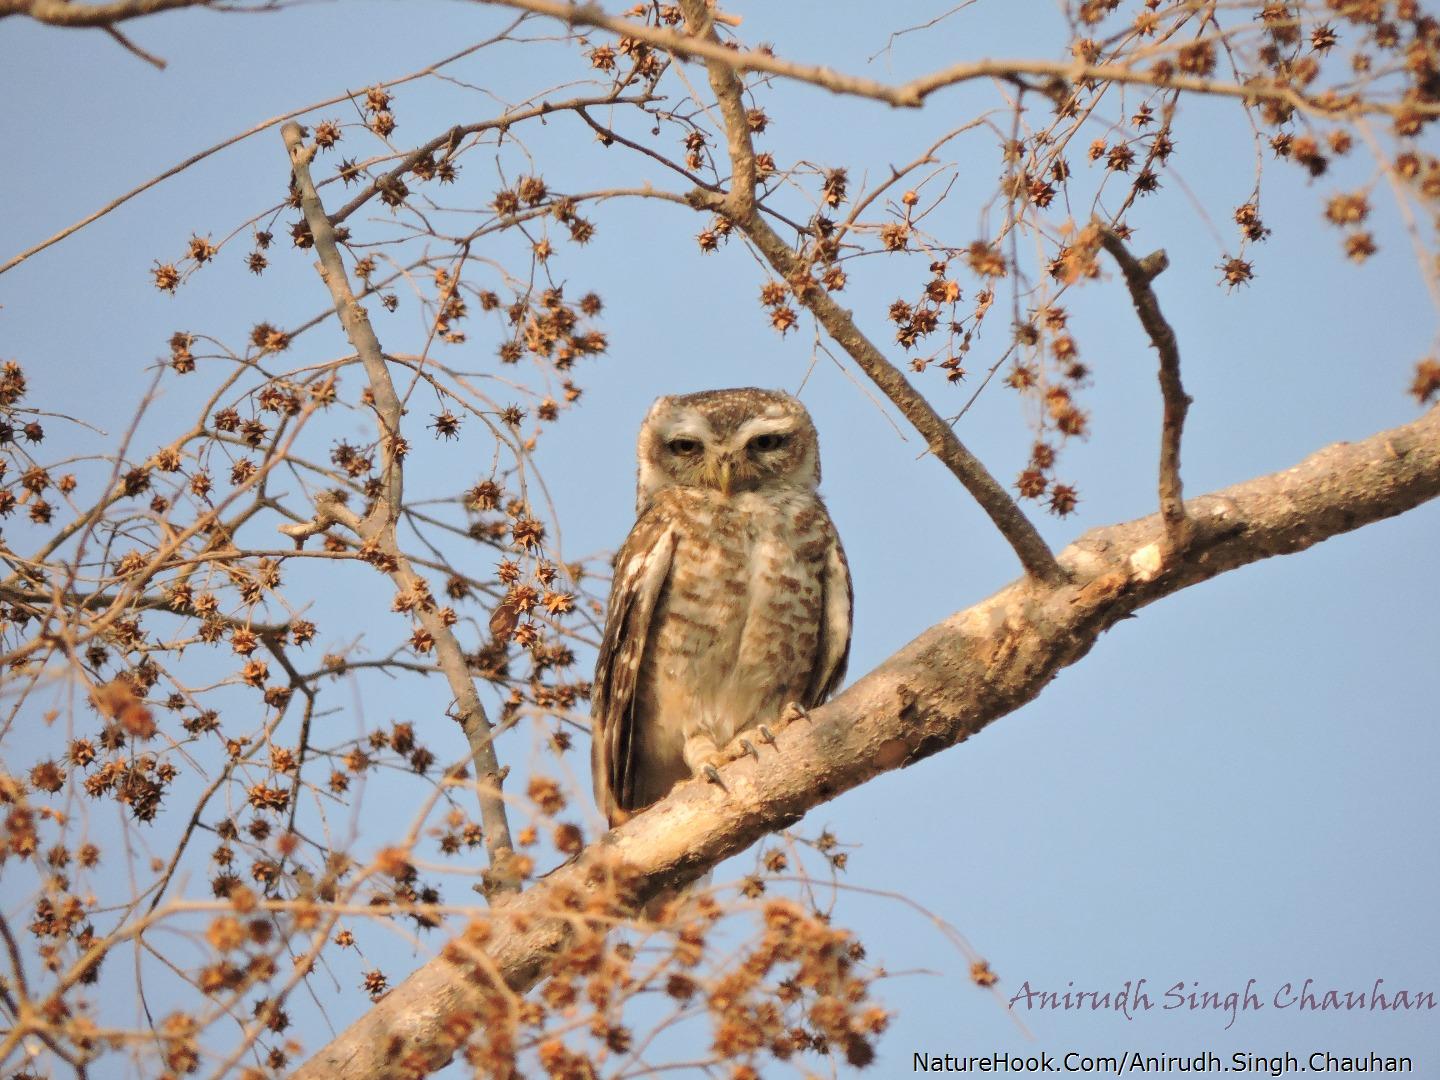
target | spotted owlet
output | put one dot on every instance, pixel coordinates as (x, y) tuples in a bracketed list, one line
[(731, 598)]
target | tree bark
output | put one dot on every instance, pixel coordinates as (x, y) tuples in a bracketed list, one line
[(950, 682)]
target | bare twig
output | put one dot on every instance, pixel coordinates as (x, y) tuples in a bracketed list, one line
[(263, 125), (1138, 275), (130, 46), (378, 527), (449, 141)]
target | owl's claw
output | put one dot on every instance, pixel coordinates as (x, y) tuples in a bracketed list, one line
[(792, 712), (749, 748), (712, 774), (766, 735)]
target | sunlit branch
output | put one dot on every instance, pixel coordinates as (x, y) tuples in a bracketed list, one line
[(1139, 273), (912, 94), (378, 527)]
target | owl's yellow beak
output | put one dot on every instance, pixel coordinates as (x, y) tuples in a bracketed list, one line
[(726, 476)]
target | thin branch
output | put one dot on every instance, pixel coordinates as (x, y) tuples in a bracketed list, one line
[(949, 683), (449, 141), (608, 135), (1138, 275), (130, 46), (912, 94), (378, 527), (263, 125)]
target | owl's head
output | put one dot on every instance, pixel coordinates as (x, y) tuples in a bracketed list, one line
[(729, 441)]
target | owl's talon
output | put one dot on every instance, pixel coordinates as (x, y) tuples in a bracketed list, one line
[(792, 712), (749, 748), (712, 774), (766, 735)]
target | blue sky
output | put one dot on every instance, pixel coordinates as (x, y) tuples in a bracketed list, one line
[(1238, 784)]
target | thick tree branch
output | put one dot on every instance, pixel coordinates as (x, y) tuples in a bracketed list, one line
[(912, 94), (1138, 275), (377, 528), (65, 13), (740, 207), (946, 685)]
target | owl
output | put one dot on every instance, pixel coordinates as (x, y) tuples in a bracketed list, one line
[(731, 599)]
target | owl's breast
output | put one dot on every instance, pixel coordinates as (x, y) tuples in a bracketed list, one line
[(738, 626)]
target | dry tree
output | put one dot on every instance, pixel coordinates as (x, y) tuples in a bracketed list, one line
[(169, 725)]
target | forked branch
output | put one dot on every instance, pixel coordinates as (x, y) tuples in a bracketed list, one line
[(1138, 275), (377, 529)]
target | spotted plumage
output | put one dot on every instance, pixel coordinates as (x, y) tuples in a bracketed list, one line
[(731, 597)]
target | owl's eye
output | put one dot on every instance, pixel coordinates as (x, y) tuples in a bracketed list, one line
[(685, 447), (767, 442)]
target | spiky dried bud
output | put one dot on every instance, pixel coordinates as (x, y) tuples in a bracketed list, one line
[(166, 277), (1359, 246), (1198, 58), (985, 259), (446, 425), (783, 318), (1248, 218), (1031, 483), (895, 236), (1426, 384), (1236, 271), (1347, 208), (201, 249), (1063, 498)]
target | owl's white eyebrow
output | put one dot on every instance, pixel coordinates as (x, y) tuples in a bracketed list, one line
[(763, 425), (690, 428)]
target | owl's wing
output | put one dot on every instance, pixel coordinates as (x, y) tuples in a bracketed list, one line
[(641, 571), (837, 607)]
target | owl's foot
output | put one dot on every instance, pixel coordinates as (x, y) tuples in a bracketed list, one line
[(749, 748), (702, 756), (792, 712), (766, 735)]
